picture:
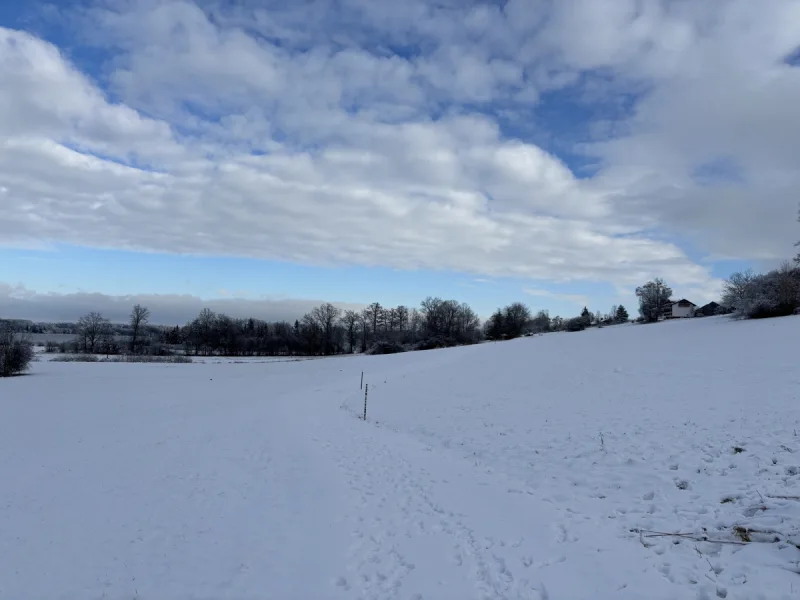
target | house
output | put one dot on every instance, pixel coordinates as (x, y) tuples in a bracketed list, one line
[(679, 309), (710, 309)]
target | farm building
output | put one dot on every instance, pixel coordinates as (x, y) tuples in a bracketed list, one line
[(679, 309)]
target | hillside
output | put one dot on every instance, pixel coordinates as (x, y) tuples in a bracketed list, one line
[(503, 470)]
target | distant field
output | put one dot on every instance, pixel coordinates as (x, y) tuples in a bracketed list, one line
[(551, 467), (43, 338)]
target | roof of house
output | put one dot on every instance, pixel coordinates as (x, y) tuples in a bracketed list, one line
[(683, 301)]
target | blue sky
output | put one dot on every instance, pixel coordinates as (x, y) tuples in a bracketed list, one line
[(558, 153)]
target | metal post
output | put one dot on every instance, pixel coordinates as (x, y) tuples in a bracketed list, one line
[(366, 391)]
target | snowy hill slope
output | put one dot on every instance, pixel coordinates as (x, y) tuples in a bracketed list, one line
[(507, 470)]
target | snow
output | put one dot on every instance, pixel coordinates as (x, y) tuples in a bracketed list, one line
[(503, 470)]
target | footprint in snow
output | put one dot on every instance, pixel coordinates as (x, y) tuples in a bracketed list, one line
[(527, 561)]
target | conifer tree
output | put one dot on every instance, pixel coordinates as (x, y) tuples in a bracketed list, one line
[(622, 315)]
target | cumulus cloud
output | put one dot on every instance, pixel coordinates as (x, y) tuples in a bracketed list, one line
[(19, 302), (371, 135)]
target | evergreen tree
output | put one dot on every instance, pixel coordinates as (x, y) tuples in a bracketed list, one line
[(496, 326), (621, 315)]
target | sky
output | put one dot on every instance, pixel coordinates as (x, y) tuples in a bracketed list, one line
[(266, 156)]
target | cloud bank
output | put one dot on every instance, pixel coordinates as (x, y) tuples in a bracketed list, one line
[(18, 302), (416, 135)]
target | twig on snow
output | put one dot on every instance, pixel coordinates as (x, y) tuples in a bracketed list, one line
[(688, 536)]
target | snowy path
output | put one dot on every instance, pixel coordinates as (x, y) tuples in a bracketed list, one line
[(433, 525)]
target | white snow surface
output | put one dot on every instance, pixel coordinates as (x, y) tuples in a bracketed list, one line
[(503, 470)]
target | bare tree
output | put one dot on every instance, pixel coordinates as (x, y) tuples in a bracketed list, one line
[(653, 299), (446, 321), (736, 288), (415, 323), (92, 328), (350, 321), (140, 316), (541, 322), (787, 285), (469, 323), (312, 335), (402, 318), (431, 310), (517, 317), (374, 314), (325, 317), (363, 321), (206, 328), (772, 294)]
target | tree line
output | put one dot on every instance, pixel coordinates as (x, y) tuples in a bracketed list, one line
[(516, 320), (326, 330)]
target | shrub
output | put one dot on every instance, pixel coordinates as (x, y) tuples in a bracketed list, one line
[(432, 343), (15, 354), (127, 358), (773, 294), (386, 347), (87, 358), (68, 347), (576, 324), (144, 358)]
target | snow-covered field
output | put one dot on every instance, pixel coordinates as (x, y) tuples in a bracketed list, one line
[(509, 470)]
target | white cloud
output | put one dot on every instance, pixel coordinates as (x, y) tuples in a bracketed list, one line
[(353, 168), (45, 98)]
